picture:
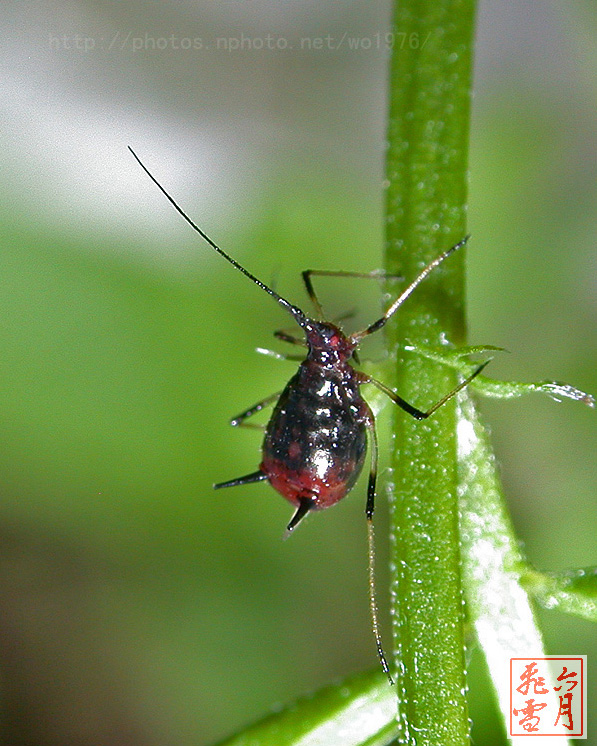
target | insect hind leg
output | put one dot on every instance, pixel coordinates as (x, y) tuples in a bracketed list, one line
[(373, 609)]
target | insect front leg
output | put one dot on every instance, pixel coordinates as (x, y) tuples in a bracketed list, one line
[(290, 338), (285, 337), (279, 355), (420, 414)]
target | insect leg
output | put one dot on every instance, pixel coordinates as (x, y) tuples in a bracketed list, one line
[(290, 338), (419, 414), (375, 275), (239, 420), (370, 508), (279, 355), (371, 548), (285, 337)]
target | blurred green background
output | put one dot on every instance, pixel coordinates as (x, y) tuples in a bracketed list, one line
[(138, 606)]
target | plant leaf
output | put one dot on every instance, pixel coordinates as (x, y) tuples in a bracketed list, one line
[(360, 711), (498, 605), (454, 357), (572, 591)]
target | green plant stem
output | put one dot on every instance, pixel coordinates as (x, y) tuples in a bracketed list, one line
[(426, 207)]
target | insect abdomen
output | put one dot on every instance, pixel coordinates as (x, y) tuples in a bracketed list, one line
[(315, 441)]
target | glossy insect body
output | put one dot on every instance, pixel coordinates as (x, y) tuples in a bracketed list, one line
[(316, 439)]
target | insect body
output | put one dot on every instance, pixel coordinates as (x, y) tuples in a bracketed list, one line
[(316, 439)]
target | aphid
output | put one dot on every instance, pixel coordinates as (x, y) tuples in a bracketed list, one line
[(316, 439)]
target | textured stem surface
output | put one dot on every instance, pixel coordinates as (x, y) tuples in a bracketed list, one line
[(426, 209)]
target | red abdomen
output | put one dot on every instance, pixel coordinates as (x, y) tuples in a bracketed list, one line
[(316, 439)]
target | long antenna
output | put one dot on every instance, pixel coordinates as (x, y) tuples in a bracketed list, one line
[(376, 325), (294, 310)]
